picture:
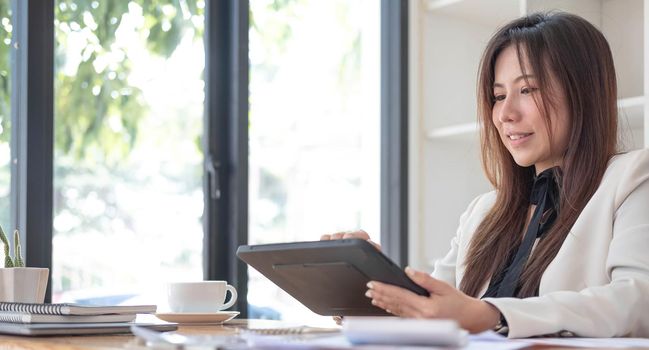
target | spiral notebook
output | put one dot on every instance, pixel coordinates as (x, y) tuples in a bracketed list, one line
[(21, 317), (74, 309), (38, 329)]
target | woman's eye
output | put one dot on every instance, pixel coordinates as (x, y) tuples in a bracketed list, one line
[(499, 97), (528, 90)]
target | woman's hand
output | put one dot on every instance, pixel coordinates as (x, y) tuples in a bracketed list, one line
[(360, 234), (444, 301)]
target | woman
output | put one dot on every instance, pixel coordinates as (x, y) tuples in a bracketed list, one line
[(561, 245)]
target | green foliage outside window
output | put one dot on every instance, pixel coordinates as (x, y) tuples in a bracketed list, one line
[(95, 91), (99, 112)]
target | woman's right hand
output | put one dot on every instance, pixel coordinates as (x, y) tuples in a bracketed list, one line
[(360, 234)]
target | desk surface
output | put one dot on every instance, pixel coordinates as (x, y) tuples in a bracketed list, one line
[(128, 341), (117, 341)]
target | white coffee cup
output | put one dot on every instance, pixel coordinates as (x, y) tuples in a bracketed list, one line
[(200, 297)]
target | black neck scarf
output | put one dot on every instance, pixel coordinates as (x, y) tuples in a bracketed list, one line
[(545, 195)]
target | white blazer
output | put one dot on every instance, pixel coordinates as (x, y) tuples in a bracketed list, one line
[(598, 284)]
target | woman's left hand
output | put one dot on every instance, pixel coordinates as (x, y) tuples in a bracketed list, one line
[(445, 301)]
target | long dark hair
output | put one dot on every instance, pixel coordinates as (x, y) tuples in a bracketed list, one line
[(568, 50)]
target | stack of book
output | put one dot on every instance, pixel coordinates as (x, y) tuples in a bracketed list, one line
[(53, 319)]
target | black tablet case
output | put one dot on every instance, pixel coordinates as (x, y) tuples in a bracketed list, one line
[(328, 277)]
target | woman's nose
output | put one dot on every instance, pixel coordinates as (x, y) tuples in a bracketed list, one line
[(508, 111)]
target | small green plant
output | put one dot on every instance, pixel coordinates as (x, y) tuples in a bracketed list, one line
[(18, 261)]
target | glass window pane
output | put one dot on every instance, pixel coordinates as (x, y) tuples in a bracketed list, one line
[(314, 129), (128, 161), (6, 30)]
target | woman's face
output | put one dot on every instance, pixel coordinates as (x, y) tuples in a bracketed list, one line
[(519, 121)]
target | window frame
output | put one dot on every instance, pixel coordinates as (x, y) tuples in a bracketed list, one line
[(225, 181), (225, 140), (32, 133), (394, 129)]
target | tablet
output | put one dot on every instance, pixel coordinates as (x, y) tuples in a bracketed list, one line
[(328, 277)]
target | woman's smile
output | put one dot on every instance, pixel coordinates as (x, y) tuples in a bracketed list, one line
[(517, 139)]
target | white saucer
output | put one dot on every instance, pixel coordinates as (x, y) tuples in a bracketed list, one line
[(208, 317)]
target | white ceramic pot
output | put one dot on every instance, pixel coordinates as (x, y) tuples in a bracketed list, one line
[(23, 284)]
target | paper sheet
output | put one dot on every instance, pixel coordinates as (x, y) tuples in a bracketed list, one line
[(592, 342), (482, 341), (491, 336), (327, 342)]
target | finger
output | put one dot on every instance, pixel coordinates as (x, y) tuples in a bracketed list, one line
[(393, 295), (426, 281), (383, 306), (357, 234), (402, 310), (361, 234), (338, 320), (398, 309), (376, 245), (338, 235)]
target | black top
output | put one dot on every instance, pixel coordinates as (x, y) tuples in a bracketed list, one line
[(545, 195)]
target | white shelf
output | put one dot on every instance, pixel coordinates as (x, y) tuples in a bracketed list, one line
[(629, 102), (440, 4), (453, 131), (631, 112)]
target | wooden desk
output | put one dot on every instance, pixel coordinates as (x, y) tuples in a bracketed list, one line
[(117, 341), (123, 341), (128, 341)]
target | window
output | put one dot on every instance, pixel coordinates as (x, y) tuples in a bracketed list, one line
[(6, 30), (128, 196), (314, 129), (128, 120)]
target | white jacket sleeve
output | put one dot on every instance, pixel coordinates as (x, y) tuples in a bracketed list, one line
[(619, 308)]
